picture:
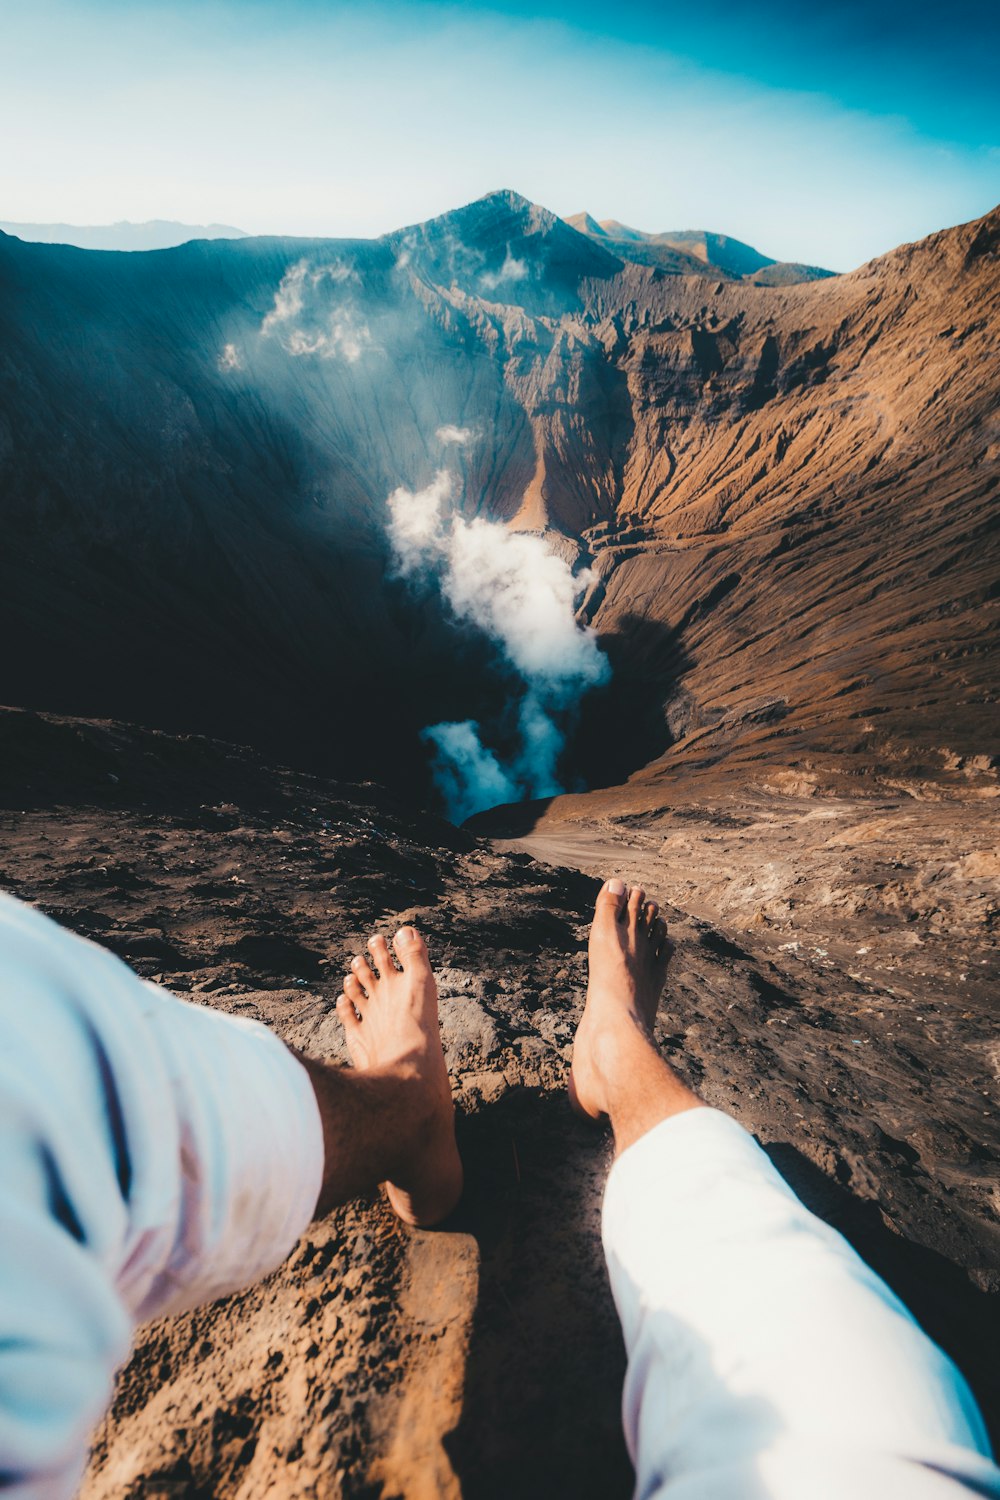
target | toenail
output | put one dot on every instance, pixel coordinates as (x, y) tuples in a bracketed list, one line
[(615, 887), (356, 962), (407, 934)]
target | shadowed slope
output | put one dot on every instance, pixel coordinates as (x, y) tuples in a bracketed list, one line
[(793, 486)]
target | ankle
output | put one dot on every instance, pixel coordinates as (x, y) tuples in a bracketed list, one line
[(619, 1033), (606, 1055), (642, 1090)]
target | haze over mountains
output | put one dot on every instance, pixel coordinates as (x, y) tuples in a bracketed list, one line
[(694, 252), (306, 495), (154, 234), (772, 484), (685, 251)]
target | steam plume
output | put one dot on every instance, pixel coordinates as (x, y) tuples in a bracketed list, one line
[(306, 324), (449, 433), (468, 775), (523, 597), (512, 269)]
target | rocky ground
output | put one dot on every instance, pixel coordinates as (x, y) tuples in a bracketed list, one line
[(787, 497), (484, 1358)]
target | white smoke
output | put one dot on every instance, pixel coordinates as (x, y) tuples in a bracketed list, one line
[(344, 335), (523, 597), (468, 775), (416, 526), (404, 254), (305, 323), (511, 270), (288, 298), (460, 436), (230, 359)]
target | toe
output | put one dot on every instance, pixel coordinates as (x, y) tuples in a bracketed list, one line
[(363, 973), (355, 994), (650, 915), (610, 905), (636, 900), (348, 1015), (379, 950), (411, 950)]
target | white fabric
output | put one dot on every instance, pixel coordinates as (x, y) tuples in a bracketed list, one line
[(766, 1361), (154, 1155), (145, 1152)]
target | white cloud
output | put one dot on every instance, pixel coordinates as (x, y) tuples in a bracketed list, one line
[(230, 358), (305, 322), (288, 298), (460, 436), (469, 776), (523, 597), (511, 270)]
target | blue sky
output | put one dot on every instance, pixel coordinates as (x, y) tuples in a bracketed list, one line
[(828, 136)]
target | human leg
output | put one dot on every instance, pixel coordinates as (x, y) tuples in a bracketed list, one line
[(156, 1154), (618, 1072), (765, 1358), (390, 1118)]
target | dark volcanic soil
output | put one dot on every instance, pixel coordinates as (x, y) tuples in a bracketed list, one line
[(484, 1359)]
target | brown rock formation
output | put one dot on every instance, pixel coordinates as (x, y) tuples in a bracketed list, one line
[(694, 251), (788, 491), (788, 494)]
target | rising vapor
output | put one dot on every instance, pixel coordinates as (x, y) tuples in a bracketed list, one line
[(307, 322), (523, 597), (512, 269), (460, 436), (468, 776)]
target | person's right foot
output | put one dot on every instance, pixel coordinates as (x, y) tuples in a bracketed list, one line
[(628, 957), (391, 1027)]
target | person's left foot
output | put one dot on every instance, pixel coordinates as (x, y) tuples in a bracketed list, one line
[(391, 1024)]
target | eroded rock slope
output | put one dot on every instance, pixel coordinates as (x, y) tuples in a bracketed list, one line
[(788, 492)]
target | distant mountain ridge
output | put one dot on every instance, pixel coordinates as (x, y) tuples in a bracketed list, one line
[(785, 495), (695, 252), (153, 234), (690, 252)]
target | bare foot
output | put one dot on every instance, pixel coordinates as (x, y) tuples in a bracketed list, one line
[(628, 957), (391, 1023)]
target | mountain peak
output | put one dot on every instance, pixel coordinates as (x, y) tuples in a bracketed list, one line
[(698, 252), (585, 223), (510, 248), (506, 198), (501, 209)]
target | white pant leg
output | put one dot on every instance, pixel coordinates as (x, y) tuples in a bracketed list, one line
[(153, 1155), (765, 1359)]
